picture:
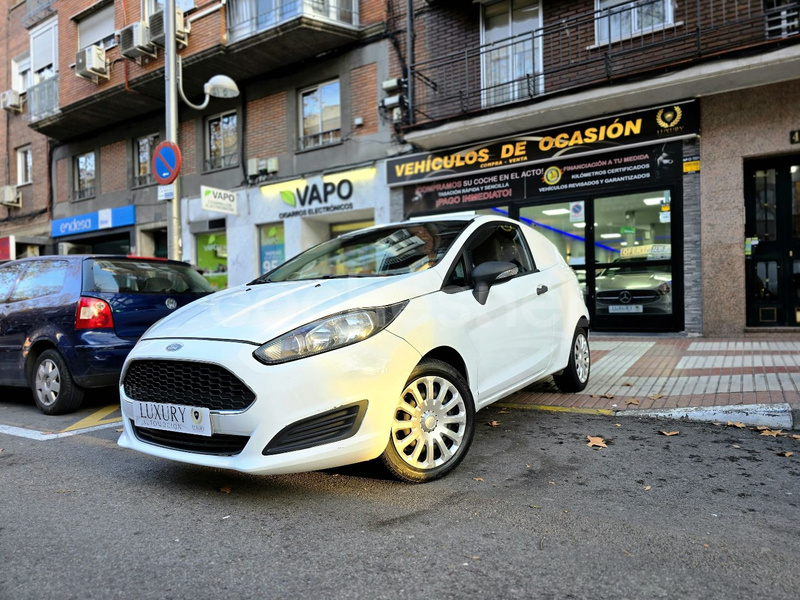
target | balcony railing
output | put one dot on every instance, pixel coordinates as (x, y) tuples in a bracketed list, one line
[(38, 10), (627, 40), (43, 98), (221, 161), (248, 17)]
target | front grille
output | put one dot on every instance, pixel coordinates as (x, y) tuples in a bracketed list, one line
[(332, 426), (219, 444), (189, 383), (637, 297)]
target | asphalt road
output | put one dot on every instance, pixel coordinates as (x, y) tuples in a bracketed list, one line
[(531, 513)]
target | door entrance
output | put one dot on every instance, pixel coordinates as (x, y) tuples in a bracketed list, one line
[(772, 229)]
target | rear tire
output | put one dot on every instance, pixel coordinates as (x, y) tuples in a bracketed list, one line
[(432, 426), (575, 377), (52, 385)]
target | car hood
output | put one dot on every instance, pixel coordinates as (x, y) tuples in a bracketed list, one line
[(259, 313), (631, 281)]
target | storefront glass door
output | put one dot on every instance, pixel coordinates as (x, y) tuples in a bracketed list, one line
[(772, 242), (621, 248)]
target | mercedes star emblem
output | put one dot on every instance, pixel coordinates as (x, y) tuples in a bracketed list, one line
[(625, 297)]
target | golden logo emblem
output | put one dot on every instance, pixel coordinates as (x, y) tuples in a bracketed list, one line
[(197, 417), (552, 175), (669, 117)]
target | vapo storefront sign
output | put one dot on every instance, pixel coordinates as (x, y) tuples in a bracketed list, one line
[(659, 124), (321, 195), (107, 218), (622, 170)]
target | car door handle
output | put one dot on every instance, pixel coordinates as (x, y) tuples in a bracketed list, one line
[(541, 290)]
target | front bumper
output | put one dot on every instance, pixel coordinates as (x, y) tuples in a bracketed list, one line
[(374, 371)]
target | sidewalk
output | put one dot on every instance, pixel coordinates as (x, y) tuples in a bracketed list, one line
[(752, 380)]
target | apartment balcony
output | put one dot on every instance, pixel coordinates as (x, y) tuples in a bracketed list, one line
[(627, 43), (264, 36), (43, 99), (294, 29), (38, 10)]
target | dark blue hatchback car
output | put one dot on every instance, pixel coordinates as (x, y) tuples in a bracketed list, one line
[(68, 322)]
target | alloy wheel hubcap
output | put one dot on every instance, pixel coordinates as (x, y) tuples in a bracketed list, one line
[(429, 422), (582, 358), (48, 382)]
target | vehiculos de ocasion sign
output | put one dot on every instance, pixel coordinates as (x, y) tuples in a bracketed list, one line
[(218, 200)]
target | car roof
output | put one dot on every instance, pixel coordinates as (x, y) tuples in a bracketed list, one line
[(82, 257)]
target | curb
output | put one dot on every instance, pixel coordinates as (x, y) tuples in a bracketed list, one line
[(774, 416)]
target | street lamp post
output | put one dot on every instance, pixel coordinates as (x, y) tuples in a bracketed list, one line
[(219, 86)]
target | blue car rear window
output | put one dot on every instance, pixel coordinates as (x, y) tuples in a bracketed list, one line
[(126, 276)]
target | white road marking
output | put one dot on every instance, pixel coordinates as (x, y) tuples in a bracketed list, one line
[(40, 436)]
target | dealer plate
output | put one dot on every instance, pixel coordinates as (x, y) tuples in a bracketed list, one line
[(172, 417), (625, 308)]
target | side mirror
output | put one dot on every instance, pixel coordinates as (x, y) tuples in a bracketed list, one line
[(489, 273)]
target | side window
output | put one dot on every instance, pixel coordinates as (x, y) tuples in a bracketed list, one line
[(8, 277), (42, 278), (458, 278), (503, 243)]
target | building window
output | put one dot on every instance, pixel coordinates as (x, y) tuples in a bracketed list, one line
[(222, 141), (512, 58), (619, 19), (97, 29), (143, 158), (84, 176), (321, 121), (24, 165), (44, 51), (21, 72)]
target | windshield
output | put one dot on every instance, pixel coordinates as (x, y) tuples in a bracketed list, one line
[(142, 277), (392, 250)]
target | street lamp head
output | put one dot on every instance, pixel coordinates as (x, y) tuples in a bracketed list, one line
[(221, 86)]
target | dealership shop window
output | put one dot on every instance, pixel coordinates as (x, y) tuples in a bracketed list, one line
[(84, 176), (143, 153), (321, 122), (212, 258), (272, 246), (222, 141)]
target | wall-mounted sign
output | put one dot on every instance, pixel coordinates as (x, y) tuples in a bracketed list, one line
[(166, 162), (618, 171), (577, 212), (320, 195), (218, 200), (663, 123), (166, 192), (794, 136), (8, 248), (107, 218)]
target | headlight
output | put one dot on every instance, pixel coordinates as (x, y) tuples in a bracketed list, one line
[(329, 333)]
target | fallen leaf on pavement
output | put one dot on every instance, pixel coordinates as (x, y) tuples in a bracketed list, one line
[(226, 489), (504, 412), (617, 425), (478, 478), (647, 487), (493, 424), (735, 446), (738, 424), (669, 433), (656, 396), (795, 436), (773, 433), (120, 430), (609, 396), (627, 384), (787, 454), (472, 557), (596, 441), (761, 428), (632, 401)]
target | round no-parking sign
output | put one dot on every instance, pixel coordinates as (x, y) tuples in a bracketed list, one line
[(166, 162)]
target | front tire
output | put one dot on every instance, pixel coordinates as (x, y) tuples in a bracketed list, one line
[(575, 377), (432, 426), (53, 388)]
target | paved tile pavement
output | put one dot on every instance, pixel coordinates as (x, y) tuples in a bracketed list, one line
[(663, 373)]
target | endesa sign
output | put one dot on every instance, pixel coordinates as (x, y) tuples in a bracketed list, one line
[(106, 218), (660, 124)]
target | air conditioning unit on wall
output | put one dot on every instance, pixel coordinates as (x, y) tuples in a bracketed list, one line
[(9, 196), (134, 41), (90, 63), (158, 33), (11, 101)]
